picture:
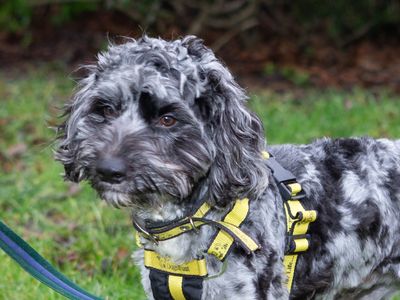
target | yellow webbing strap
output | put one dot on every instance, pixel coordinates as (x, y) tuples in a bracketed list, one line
[(202, 210), (228, 233), (265, 155), (175, 231), (229, 230), (178, 230), (289, 261), (235, 233), (137, 239), (297, 222), (222, 242), (196, 267), (238, 212), (240, 237), (298, 226), (294, 188), (175, 286)]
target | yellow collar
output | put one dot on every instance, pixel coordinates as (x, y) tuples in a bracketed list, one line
[(228, 233)]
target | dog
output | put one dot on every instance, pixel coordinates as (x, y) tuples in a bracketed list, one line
[(156, 125)]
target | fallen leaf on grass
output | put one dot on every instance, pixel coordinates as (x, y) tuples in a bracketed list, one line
[(16, 150), (73, 189), (122, 254)]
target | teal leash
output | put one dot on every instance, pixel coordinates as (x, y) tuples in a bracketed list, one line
[(38, 267)]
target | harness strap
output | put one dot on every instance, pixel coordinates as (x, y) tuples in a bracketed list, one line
[(175, 284), (229, 228), (174, 287), (298, 218), (160, 231), (170, 281), (195, 267), (222, 243), (297, 239)]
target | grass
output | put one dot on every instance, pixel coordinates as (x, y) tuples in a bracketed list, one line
[(90, 242)]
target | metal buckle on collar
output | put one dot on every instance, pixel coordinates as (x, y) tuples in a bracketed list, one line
[(147, 235), (195, 229)]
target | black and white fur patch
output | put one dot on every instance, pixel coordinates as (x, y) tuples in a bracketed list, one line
[(157, 124)]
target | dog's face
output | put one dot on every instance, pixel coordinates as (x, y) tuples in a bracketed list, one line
[(161, 121)]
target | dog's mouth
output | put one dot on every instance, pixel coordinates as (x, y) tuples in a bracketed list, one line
[(140, 190), (116, 198), (115, 194), (122, 195)]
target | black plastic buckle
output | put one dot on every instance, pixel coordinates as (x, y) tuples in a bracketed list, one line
[(280, 174), (287, 193), (284, 191), (283, 177)]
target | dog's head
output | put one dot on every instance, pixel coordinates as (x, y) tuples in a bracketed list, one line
[(162, 121)]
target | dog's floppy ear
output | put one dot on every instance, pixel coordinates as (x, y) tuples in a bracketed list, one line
[(64, 153), (238, 169), (68, 140)]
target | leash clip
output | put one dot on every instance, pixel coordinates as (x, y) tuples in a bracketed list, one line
[(221, 271)]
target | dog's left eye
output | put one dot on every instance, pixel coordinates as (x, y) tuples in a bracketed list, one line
[(167, 121), (109, 112)]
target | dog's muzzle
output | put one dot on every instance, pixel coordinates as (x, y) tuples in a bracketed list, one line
[(111, 169)]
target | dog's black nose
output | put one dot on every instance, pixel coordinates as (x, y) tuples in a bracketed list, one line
[(111, 169)]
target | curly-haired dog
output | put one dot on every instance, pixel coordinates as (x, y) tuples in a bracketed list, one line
[(158, 124)]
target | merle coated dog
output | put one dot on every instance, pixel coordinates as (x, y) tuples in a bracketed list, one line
[(155, 124)]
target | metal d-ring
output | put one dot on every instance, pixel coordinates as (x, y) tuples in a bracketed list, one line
[(144, 232), (195, 229)]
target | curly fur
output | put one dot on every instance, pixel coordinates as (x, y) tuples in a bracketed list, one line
[(214, 151)]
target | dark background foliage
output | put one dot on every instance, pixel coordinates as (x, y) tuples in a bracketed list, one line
[(278, 42)]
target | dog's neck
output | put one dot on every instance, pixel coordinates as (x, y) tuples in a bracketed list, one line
[(190, 245), (163, 208), (164, 211), (186, 246)]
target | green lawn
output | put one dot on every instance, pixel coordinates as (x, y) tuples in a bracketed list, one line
[(90, 242)]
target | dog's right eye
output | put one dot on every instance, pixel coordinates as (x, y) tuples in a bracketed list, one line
[(167, 121), (105, 111)]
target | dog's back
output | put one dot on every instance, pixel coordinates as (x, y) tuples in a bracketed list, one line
[(354, 184)]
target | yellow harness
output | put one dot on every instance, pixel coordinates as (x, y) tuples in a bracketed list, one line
[(298, 219), (185, 281)]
